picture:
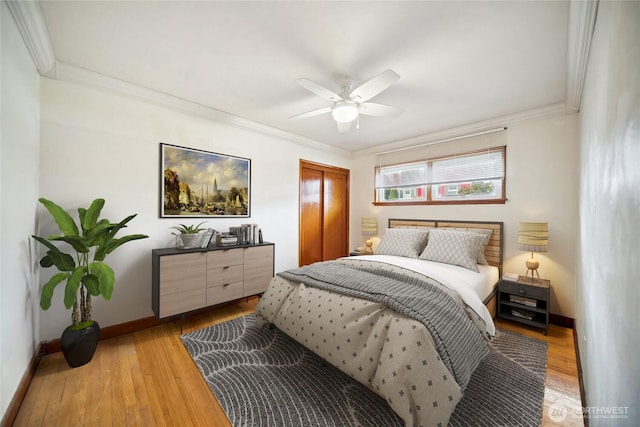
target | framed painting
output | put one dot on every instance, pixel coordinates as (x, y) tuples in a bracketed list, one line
[(199, 183)]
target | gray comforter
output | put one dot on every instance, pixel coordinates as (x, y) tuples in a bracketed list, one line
[(395, 332), (456, 339)]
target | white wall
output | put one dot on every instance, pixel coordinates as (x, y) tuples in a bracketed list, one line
[(99, 144), (609, 298), (19, 136), (542, 183)]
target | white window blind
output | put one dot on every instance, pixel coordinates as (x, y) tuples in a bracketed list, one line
[(468, 168), (476, 175), (407, 175)]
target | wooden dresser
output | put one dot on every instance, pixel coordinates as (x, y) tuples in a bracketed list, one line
[(185, 280)]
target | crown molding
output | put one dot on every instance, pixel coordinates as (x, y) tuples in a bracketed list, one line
[(71, 73), (30, 22), (472, 128), (74, 74), (582, 21)]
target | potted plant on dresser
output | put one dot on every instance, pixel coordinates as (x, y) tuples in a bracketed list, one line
[(190, 236), (83, 271)]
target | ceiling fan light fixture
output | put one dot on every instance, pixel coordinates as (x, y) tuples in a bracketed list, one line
[(345, 111)]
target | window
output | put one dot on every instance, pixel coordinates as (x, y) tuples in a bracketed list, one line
[(474, 177)]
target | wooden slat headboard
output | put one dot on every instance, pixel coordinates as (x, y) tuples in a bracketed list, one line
[(494, 249)]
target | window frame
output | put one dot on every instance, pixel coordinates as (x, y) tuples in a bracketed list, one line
[(430, 187)]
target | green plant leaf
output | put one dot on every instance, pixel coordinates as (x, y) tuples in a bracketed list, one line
[(91, 216), (122, 224), (91, 282), (78, 243), (45, 242), (66, 224), (47, 290), (100, 234), (62, 261), (188, 229), (105, 250), (82, 212), (49, 259), (106, 277), (71, 289), (46, 261)]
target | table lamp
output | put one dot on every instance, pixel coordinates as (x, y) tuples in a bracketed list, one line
[(369, 228), (533, 237)]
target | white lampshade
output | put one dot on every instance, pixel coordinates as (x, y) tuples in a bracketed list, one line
[(369, 226), (345, 111), (533, 236)]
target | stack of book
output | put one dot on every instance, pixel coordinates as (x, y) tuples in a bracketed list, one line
[(248, 234), (512, 277), (226, 239), (524, 314), (523, 300)]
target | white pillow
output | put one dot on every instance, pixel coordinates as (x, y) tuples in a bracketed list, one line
[(453, 247), (486, 232), (406, 242)]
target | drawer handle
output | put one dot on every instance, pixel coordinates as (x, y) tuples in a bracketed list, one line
[(225, 285), (225, 267), (522, 291)]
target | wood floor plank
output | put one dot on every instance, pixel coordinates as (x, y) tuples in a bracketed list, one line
[(96, 400), (148, 378)]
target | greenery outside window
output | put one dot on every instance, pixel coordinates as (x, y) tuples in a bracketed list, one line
[(463, 178)]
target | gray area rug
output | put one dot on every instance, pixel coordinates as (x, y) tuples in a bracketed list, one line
[(262, 378)]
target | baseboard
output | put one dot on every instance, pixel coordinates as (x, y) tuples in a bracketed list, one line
[(583, 396), (565, 322), (18, 397), (53, 346)]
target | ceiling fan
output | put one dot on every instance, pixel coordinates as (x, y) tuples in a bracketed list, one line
[(350, 103)]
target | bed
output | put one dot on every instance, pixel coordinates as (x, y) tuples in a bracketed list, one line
[(411, 322)]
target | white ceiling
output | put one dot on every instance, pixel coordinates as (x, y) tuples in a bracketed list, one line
[(459, 62)]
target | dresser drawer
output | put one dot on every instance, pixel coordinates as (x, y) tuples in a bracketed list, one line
[(224, 258), (524, 290), (224, 293), (224, 275)]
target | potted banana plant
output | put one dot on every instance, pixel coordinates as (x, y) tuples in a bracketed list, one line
[(83, 271)]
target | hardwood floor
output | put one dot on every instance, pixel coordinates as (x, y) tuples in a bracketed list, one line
[(562, 403), (148, 378)]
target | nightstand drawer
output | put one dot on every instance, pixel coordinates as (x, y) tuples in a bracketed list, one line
[(524, 290)]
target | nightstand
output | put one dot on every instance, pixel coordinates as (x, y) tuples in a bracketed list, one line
[(525, 300)]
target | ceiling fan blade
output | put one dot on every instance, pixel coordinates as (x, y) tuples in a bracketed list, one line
[(379, 110), (312, 113), (344, 127), (371, 88), (321, 91)]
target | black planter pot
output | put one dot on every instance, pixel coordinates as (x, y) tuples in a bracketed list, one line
[(79, 345)]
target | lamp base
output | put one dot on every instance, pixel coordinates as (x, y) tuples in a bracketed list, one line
[(532, 266), (368, 249), (526, 275)]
